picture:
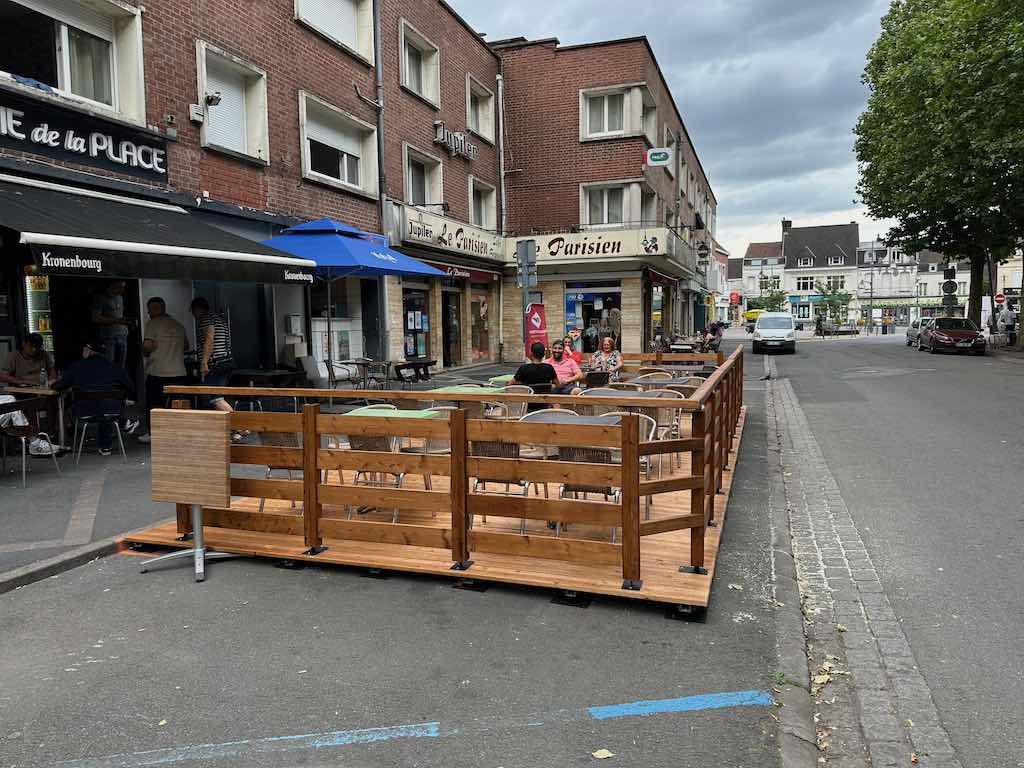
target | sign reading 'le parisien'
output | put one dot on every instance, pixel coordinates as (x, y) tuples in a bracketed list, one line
[(34, 126)]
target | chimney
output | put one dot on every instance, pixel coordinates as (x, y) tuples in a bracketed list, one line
[(786, 225)]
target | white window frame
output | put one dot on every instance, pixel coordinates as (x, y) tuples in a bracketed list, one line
[(589, 188), (491, 211), (431, 55), (475, 86), (363, 49), (435, 184), (803, 282), (831, 280), (803, 312), (127, 74), (368, 156), (257, 132), (805, 261), (836, 261), (603, 93)]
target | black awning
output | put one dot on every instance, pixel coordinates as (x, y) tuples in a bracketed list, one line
[(72, 232)]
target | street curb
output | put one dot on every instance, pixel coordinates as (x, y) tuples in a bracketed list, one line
[(28, 574), (797, 735)]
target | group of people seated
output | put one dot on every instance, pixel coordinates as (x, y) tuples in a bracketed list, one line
[(561, 371)]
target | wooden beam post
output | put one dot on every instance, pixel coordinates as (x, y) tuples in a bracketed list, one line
[(698, 496), (459, 491), (711, 459), (311, 480), (631, 503)]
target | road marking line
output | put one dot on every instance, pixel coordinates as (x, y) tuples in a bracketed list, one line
[(245, 747), (685, 704), (83, 511)]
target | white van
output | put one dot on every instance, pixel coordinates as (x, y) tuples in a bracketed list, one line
[(774, 330)]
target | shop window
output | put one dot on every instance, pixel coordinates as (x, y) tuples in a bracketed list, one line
[(483, 198), (604, 114), (89, 53), (416, 322), (604, 205), (349, 23), (593, 311), (234, 94), (479, 108), (338, 148), (803, 311), (423, 182), (481, 326), (420, 64)]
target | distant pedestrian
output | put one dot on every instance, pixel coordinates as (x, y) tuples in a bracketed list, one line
[(111, 324), (1008, 324), (819, 326)]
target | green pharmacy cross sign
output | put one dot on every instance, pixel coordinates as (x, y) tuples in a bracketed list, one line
[(658, 157)]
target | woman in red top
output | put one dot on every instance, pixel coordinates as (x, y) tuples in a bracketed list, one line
[(570, 350)]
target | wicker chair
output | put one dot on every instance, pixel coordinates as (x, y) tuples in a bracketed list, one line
[(496, 449), (586, 455), (281, 440), (667, 418), (652, 376)]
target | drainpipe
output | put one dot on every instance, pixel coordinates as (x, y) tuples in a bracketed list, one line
[(384, 322), (504, 209)]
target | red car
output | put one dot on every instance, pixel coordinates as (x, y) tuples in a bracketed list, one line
[(956, 334)]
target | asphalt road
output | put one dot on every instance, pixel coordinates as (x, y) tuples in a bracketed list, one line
[(926, 450), (322, 666)]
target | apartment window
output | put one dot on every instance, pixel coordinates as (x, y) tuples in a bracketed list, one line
[(420, 61), (769, 283), (869, 257), (803, 311), (961, 289), (670, 144), (649, 119), (670, 218), (88, 53), (836, 261), (479, 108), (604, 205), (484, 199), (922, 289), (605, 114), (805, 283), (649, 209), (755, 262), (423, 183), (805, 261), (338, 148), (349, 23), (235, 95), (836, 282)]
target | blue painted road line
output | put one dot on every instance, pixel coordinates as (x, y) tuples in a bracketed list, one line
[(209, 753), (685, 704), (249, 747)]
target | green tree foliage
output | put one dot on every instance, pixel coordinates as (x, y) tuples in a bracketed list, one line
[(773, 301), (835, 302), (941, 143)]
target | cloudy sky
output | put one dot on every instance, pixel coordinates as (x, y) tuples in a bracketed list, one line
[(769, 91)]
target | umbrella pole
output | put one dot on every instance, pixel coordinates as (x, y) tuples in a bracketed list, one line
[(330, 340)]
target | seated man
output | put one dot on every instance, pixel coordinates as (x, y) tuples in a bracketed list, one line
[(94, 373), (536, 373), (26, 366), (568, 372)]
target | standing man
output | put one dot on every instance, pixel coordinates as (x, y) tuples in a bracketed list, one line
[(569, 374), (213, 339), (30, 365), (1008, 323), (164, 349), (95, 373), (111, 324)]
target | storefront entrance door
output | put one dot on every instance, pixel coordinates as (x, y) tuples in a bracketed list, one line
[(451, 328)]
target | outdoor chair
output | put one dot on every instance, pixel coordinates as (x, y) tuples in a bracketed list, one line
[(598, 410), (649, 369), (405, 374), (282, 440), (379, 444), (625, 386), (26, 434), (694, 381), (652, 376), (685, 391), (648, 429), (667, 418), (508, 411), (111, 416), (586, 455), (498, 450), (432, 446)]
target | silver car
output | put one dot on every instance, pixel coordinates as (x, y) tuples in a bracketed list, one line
[(915, 328)]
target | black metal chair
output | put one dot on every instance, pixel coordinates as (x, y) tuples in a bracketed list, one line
[(25, 433)]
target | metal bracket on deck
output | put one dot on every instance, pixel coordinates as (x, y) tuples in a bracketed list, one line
[(712, 523), (375, 573), (573, 598), (185, 537), (471, 585), (635, 586), (461, 565), (686, 613), (315, 550), (695, 569)]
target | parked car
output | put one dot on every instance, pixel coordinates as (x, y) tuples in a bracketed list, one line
[(774, 330), (957, 334), (915, 328)]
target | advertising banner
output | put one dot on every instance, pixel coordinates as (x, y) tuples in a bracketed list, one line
[(536, 326)]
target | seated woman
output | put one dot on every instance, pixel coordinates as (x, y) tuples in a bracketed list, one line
[(607, 358), (570, 350)]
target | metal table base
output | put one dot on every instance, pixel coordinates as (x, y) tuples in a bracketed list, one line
[(198, 552)]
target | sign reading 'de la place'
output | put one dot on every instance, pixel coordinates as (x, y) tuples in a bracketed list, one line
[(445, 234), (41, 128)]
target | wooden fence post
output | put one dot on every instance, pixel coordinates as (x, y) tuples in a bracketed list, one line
[(311, 479), (459, 491), (698, 496), (631, 503)]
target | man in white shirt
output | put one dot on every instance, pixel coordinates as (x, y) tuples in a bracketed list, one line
[(164, 347), (1008, 324)]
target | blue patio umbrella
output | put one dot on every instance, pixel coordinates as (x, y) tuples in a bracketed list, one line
[(340, 250)]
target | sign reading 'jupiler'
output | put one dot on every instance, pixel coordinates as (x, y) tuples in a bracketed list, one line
[(456, 141)]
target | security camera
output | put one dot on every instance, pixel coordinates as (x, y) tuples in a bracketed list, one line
[(212, 99)]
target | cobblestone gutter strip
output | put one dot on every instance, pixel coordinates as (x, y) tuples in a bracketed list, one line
[(872, 705)]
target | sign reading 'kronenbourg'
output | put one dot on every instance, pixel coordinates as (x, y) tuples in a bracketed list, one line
[(630, 242), (50, 262), (456, 142), (297, 277), (46, 129), (440, 232), (658, 157)]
